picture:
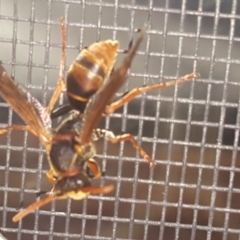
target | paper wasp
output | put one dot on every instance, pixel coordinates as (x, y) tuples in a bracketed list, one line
[(92, 74), (69, 147)]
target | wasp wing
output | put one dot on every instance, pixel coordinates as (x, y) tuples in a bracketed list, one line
[(98, 104), (27, 111)]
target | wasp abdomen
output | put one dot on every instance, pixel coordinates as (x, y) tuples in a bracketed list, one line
[(89, 71)]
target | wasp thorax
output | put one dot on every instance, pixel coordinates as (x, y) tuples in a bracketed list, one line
[(66, 154)]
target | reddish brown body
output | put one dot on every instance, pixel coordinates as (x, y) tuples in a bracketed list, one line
[(69, 147)]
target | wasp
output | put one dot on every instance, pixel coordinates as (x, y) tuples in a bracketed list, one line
[(72, 166), (69, 147), (91, 74)]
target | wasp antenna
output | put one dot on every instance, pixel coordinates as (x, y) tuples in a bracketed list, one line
[(33, 207), (97, 190)]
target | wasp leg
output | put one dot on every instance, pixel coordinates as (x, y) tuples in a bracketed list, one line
[(61, 83), (51, 178), (16, 127), (137, 91), (94, 167), (60, 111), (109, 136)]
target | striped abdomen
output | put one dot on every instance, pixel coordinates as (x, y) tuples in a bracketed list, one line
[(89, 71)]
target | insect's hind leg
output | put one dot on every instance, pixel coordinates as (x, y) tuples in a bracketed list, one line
[(61, 83), (137, 91), (109, 136), (50, 176), (94, 168), (60, 111)]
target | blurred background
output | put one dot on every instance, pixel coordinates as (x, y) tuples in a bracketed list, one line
[(191, 130)]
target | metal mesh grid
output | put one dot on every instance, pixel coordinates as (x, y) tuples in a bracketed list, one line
[(191, 130)]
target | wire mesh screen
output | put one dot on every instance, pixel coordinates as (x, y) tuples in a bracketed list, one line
[(191, 130)]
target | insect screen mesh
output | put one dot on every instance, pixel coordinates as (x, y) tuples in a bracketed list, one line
[(191, 130)]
